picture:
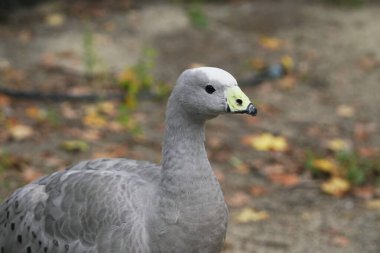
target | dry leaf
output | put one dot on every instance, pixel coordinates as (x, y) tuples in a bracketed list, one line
[(345, 111), (219, 175), (270, 43), (340, 241), (239, 166), (364, 192), (326, 165), (68, 111), (55, 19), (287, 62), (288, 180), (107, 107), (336, 186), (373, 204), (338, 145), (20, 132), (258, 64), (238, 199), (288, 82), (94, 120), (4, 100), (267, 142), (251, 215), (29, 174), (75, 146), (36, 113), (257, 191)]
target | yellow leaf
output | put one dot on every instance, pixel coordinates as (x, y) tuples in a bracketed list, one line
[(107, 107), (287, 62), (251, 215), (21, 132), (373, 204), (128, 76), (267, 141), (337, 145), (326, 165), (55, 19), (36, 113), (345, 111), (336, 186), (94, 120), (270, 43), (258, 64)]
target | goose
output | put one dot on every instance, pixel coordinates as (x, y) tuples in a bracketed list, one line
[(128, 206)]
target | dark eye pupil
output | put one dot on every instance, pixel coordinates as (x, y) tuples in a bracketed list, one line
[(209, 89)]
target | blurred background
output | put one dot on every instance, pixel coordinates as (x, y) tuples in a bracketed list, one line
[(87, 79)]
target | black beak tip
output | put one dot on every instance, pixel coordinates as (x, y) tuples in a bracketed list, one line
[(252, 110)]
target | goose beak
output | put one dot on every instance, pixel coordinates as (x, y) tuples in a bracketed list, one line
[(238, 102)]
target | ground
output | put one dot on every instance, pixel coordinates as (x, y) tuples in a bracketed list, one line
[(331, 93)]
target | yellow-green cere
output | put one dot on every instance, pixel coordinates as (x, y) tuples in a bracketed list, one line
[(236, 99)]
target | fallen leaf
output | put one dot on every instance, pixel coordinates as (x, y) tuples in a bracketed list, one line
[(340, 241), (268, 142), (288, 82), (55, 19), (238, 199), (368, 152), (287, 62), (338, 145), (68, 111), (29, 174), (288, 180), (75, 146), (336, 186), (364, 192), (239, 166), (270, 43), (107, 107), (36, 113), (373, 204), (345, 111), (219, 175), (251, 215), (20, 132), (258, 64), (94, 120), (4, 100), (257, 191), (326, 165)]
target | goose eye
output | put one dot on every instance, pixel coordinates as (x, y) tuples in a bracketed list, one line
[(209, 89)]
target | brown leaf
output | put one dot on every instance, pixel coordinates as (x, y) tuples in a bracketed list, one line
[(238, 199), (364, 192), (68, 111), (4, 100), (29, 174), (288, 180), (340, 241), (219, 175), (257, 190)]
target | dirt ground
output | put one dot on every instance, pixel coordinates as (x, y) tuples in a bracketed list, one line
[(336, 58)]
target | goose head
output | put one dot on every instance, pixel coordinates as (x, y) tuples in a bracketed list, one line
[(206, 92)]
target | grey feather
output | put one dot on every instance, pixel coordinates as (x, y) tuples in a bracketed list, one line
[(120, 205)]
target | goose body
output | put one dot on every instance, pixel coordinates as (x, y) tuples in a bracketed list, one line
[(128, 206)]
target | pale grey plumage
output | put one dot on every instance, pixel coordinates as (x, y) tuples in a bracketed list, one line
[(120, 205)]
